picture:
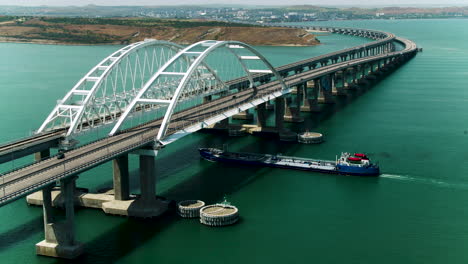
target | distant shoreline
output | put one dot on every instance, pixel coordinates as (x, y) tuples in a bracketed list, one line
[(123, 31), (52, 42)]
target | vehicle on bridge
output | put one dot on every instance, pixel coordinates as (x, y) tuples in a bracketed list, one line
[(357, 164), (61, 154)]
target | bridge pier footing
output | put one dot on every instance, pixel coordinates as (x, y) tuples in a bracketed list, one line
[(146, 205), (60, 236), (292, 114), (117, 201)]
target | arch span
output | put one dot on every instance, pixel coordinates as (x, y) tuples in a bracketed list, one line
[(107, 89), (184, 88)]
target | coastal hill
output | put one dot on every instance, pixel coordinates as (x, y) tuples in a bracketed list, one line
[(67, 30)]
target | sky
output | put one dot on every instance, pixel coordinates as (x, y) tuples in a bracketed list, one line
[(432, 3)]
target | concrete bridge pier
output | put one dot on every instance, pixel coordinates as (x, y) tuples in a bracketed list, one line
[(261, 115), (310, 103), (60, 236), (325, 95), (371, 73), (361, 71), (337, 90), (345, 81), (121, 178), (291, 113), (261, 128), (279, 112), (349, 76), (356, 74), (378, 68), (146, 205), (283, 133)]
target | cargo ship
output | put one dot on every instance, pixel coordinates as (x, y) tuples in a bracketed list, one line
[(358, 164)]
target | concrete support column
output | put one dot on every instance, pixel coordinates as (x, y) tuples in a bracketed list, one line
[(325, 93), (355, 75), (147, 205), (332, 80), (261, 115), (299, 94), (60, 236), (336, 89), (67, 189), (147, 178), (47, 205), (121, 178), (309, 103), (344, 79), (291, 113), (42, 155), (279, 113)]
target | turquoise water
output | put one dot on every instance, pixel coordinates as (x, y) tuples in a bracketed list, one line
[(413, 122)]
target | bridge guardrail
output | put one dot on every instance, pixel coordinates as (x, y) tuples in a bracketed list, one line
[(74, 170)]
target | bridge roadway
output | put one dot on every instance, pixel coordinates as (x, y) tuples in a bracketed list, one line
[(29, 145), (21, 182)]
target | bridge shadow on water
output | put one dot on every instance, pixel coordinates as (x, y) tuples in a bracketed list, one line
[(210, 183), (21, 233)]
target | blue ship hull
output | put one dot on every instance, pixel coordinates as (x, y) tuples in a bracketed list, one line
[(266, 160)]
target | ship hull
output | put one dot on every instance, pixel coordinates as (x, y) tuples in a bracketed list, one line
[(343, 170)]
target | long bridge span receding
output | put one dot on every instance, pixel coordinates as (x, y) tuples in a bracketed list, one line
[(175, 91)]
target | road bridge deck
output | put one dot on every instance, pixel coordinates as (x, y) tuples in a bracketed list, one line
[(29, 145), (26, 180), (37, 143)]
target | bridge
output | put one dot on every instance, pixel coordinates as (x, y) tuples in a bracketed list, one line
[(170, 91)]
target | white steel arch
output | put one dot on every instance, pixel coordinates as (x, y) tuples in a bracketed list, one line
[(207, 47), (92, 109)]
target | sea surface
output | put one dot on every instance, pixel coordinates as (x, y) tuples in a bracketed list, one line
[(414, 123)]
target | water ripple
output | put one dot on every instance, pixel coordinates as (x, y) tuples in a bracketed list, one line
[(434, 182)]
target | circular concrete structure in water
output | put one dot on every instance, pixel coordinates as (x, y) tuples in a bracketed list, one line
[(190, 208), (310, 138), (219, 215)]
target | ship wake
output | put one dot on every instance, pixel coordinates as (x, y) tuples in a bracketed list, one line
[(428, 181)]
